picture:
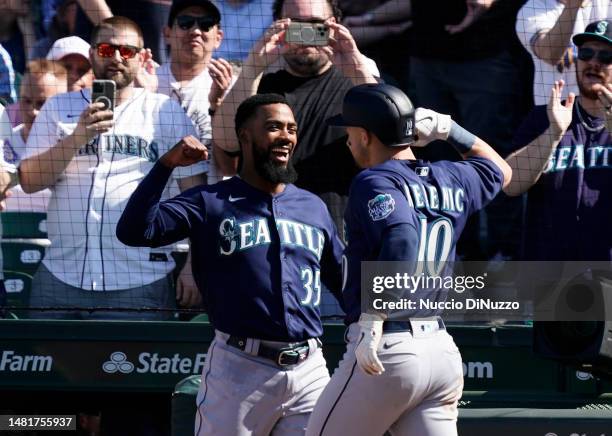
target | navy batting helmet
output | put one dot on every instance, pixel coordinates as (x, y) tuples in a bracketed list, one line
[(381, 109)]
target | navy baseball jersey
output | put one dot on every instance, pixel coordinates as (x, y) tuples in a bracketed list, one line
[(432, 200), (258, 259), (570, 207)]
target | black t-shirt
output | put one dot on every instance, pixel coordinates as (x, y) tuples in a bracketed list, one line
[(323, 161), (491, 34)]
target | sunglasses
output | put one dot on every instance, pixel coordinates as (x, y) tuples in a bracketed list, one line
[(106, 50), (602, 56), (186, 22)]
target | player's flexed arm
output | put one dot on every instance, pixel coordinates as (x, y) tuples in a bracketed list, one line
[(146, 222), (431, 125)]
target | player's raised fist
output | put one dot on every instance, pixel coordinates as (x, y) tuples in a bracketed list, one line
[(184, 153), (430, 125)]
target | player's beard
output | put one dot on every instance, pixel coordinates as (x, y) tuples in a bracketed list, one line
[(270, 171)]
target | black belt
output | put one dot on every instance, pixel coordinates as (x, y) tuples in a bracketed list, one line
[(404, 326), (289, 354)]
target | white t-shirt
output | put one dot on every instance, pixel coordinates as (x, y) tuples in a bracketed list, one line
[(13, 148), (90, 195), (192, 97), (538, 15)]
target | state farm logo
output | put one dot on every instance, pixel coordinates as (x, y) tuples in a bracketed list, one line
[(153, 363), (478, 370), (118, 363)]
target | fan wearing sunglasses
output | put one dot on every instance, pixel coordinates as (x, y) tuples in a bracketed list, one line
[(92, 159), (191, 76), (563, 160), (193, 34)]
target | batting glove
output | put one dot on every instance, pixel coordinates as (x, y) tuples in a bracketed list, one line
[(371, 333), (430, 126)]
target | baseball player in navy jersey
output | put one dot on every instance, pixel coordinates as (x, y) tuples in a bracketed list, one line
[(404, 377), (261, 248)]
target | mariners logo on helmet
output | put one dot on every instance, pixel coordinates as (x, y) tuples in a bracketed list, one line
[(381, 206), (409, 126)]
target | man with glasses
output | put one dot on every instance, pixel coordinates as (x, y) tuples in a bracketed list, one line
[(563, 160), (197, 82), (545, 28), (92, 159), (192, 77)]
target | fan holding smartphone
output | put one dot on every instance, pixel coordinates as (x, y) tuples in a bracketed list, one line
[(92, 150)]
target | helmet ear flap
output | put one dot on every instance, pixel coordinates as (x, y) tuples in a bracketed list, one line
[(405, 123)]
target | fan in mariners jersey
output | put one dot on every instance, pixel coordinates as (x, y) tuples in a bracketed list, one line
[(261, 248), (564, 160), (91, 160), (410, 375)]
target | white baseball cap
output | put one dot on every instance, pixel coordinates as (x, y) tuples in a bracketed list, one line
[(67, 46)]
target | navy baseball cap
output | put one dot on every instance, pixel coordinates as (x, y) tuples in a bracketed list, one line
[(597, 31), (179, 5), (381, 109)]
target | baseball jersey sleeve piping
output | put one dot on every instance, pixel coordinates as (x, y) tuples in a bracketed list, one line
[(147, 222)]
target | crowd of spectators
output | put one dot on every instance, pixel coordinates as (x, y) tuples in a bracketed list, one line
[(484, 62), (182, 67)]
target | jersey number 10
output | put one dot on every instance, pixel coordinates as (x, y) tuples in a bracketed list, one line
[(435, 242)]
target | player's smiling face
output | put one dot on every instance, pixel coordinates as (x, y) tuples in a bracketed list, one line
[(273, 137)]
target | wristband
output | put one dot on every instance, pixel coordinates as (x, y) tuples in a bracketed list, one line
[(460, 138)]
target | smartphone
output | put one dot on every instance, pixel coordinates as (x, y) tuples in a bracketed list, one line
[(307, 33), (104, 92)]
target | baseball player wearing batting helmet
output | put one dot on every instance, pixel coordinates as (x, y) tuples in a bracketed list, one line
[(261, 248), (409, 376)]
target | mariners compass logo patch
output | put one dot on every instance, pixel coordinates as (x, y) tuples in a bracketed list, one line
[(381, 206)]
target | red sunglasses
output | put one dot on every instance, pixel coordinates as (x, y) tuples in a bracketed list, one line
[(106, 50)]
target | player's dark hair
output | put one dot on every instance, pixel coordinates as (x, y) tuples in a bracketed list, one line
[(248, 108), (116, 22), (277, 9)]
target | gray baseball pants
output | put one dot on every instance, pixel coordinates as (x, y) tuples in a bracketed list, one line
[(417, 395), (243, 395)]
